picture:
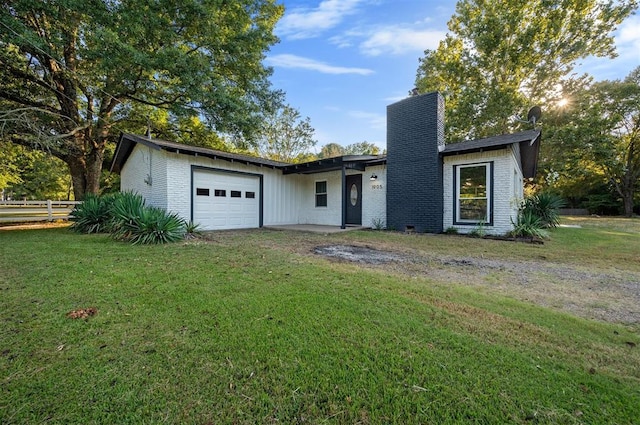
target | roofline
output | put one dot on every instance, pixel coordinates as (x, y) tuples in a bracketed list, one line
[(127, 141)]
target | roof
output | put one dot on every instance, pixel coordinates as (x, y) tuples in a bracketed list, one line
[(128, 141), (528, 140), (353, 162)]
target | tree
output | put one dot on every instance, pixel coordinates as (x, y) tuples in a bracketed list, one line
[(502, 57), (32, 174), (599, 134), (331, 150), (285, 136), (363, 148), (72, 71)]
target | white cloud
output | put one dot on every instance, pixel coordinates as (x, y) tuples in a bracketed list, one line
[(293, 61), (628, 39), (396, 40), (307, 23), (376, 121)]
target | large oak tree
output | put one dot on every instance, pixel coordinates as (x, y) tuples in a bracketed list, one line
[(500, 57), (73, 71)]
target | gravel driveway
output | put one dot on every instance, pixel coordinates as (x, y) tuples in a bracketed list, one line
[(608, 295)]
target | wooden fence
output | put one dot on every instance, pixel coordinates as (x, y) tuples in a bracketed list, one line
[(26, 211)]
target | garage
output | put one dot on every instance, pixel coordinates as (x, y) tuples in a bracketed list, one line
[(226, 199)]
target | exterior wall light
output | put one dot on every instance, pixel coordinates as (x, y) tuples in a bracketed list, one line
[(373, 177)]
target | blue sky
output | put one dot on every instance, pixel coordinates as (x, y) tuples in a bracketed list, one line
[(341, 62)]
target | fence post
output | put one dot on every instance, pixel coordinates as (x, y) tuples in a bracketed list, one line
[(49, 210)]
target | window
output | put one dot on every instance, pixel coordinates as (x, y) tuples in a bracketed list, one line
[(202, 192), (236, 194), (250, 195), (473, 193), (220, 192), (321, 194)]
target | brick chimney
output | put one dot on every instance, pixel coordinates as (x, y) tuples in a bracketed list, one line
[(415, 131)]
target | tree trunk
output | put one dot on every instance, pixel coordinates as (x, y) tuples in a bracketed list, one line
[(627, 199), (85, 172)]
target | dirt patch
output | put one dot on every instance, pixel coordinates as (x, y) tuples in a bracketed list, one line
[(608, 295), (358, 254)]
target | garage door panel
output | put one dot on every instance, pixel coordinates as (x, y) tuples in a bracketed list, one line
[(234, 210)]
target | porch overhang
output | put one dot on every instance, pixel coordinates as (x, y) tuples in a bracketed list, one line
[(349, 162)]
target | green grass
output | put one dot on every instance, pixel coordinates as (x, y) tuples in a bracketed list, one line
[(250, 328)]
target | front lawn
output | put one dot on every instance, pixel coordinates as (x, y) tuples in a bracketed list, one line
[(252, 327)]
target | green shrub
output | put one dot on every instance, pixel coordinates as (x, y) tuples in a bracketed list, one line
[(528, 225), (126, 217), (191, 230), (126, 209), (378, 224), (135, 222), (545, 206), (92, 216), (153, 226)]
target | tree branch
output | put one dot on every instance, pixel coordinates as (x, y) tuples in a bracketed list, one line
[(27, 102)]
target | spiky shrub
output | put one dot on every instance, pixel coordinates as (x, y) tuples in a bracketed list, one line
[(126, 210), (135, 222), (153, 226), (545, 206), (92, 216), (192, 230), (528, 225)]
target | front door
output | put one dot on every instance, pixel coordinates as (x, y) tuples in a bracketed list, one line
[(353, 201)]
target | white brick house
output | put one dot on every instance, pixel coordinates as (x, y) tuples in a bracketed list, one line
[(476, 183)]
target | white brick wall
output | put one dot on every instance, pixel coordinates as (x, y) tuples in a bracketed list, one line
[(290, 199), (374, 196), (136, 170), (507, 188)]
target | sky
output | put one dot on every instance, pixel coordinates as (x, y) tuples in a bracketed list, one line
[(341, 62)]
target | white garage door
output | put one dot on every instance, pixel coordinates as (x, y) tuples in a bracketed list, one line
[(225, 200)]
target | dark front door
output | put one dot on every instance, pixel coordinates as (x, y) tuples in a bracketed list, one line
[(353, 201)]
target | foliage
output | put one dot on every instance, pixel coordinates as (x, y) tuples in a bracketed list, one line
[(192, 230), (499, 58), (451, 231), (72, 70), (545, 206), (529, 225), (378, 224), (285, 136), (9, 171), (479, 230), (332, 150), (126, 217), (93, 215), (537, 213), (597, 137), (30, 174), (151, 226)]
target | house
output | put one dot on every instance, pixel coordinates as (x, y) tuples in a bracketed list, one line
[(421, 184)]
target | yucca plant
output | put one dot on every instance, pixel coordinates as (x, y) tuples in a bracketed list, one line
[(154, 226), (126, 210), (192, 230), (92, 215), (545, 205), (528, 225)]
